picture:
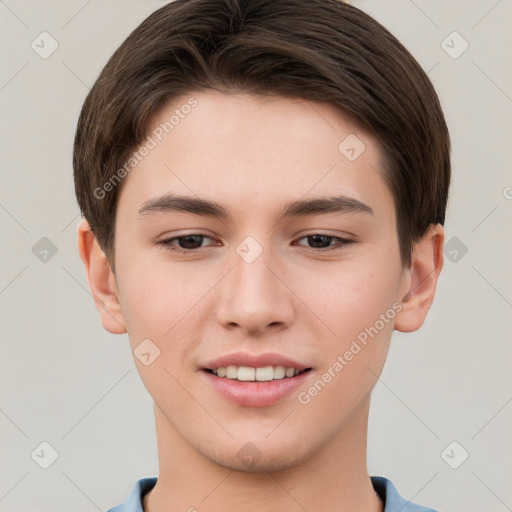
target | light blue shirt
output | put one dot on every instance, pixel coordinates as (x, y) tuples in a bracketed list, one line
[(393, 502)]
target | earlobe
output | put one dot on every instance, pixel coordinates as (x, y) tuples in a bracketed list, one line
[(422, 277), (101, 280)]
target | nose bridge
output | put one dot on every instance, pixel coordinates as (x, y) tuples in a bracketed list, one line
[(254, 297), (251, 270)]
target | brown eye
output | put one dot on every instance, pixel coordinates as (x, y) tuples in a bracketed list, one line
[(190, 241), (323, 242), (184, 244)]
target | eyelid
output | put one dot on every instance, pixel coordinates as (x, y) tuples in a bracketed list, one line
[(167, 242), (337, 238)]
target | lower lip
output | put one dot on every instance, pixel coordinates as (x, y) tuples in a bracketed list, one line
[(255, 393)]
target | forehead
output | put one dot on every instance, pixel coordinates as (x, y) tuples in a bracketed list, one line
[(245, 149)]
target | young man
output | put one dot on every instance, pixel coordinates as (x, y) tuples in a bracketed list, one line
[(263, 185)]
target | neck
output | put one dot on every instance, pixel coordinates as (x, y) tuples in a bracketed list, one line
[(335, 478)]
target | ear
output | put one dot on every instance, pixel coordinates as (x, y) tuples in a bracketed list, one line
[(101, 280), (420, 280)]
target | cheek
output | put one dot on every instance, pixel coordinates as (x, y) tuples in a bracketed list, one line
[(159, 306), (148, 289), (348, 296), (164, 302), (357, 308), (354, 302)]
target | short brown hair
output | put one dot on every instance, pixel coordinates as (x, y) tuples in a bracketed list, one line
[(319, 50)]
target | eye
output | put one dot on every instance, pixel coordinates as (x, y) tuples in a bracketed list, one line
[(322, 242), (188, 244)]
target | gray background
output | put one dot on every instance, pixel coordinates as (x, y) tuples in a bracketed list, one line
[(67, 382)]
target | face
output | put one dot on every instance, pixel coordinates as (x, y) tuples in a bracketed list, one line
[(260, 277)]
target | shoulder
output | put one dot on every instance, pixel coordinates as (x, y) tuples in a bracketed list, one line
[(133, 502), (392, 500)]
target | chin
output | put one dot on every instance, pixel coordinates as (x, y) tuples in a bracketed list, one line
[(254, 457)]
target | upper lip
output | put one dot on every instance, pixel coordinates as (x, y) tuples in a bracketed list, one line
[(254, 361)]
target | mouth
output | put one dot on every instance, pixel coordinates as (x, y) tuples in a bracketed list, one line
[(255, 380), (256, 374), (258, 386)]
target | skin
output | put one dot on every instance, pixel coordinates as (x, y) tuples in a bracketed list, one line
[(252, 155)]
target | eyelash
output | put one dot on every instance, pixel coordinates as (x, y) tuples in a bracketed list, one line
[(167, 243)]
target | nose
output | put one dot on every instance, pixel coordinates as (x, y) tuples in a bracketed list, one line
[(256, 296)]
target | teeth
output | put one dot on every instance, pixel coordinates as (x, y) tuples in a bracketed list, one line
[(279, 372), (265, 373), (231, 372), (246, 373)]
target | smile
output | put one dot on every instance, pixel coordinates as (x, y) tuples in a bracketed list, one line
[(253, 392), (261, 374)]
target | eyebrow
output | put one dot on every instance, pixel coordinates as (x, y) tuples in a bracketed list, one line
[(297, 208)]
